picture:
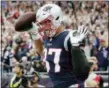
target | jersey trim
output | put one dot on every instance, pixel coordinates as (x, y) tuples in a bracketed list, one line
[(66, 42)]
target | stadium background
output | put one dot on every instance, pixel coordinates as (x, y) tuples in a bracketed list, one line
[(18, 47)]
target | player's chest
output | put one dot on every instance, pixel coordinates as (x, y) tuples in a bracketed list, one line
[(53, 43), (53, 49)]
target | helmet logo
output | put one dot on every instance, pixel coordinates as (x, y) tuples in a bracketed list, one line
[(47, 9)]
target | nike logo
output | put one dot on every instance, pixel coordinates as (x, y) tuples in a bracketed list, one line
[(49, 44)]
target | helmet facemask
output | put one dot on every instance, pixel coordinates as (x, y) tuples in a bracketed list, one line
[(48, 27)]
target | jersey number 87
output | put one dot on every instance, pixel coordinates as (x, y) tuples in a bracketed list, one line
[(56, 58)]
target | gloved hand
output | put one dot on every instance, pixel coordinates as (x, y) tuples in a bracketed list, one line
[(78, 35), (34, 32)]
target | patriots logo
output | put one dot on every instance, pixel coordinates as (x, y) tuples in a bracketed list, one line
[(47, 9)]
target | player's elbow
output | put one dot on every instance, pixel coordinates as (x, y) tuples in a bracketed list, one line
[(39, 47)]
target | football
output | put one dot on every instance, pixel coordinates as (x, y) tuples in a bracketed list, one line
[(24, 22)]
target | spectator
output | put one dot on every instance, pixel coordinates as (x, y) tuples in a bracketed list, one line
[(102, 55), (18, 79), (34, 82), (38, 66), (27, 65), (97, 79)]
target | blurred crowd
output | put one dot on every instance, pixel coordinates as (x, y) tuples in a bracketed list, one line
[(18, 47)]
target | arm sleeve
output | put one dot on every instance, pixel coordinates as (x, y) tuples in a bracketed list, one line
[(81, 66), (80, 63)]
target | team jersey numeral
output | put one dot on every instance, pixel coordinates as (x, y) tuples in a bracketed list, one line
[(56, 58)]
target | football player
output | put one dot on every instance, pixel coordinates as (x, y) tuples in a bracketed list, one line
[(65, 62)]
